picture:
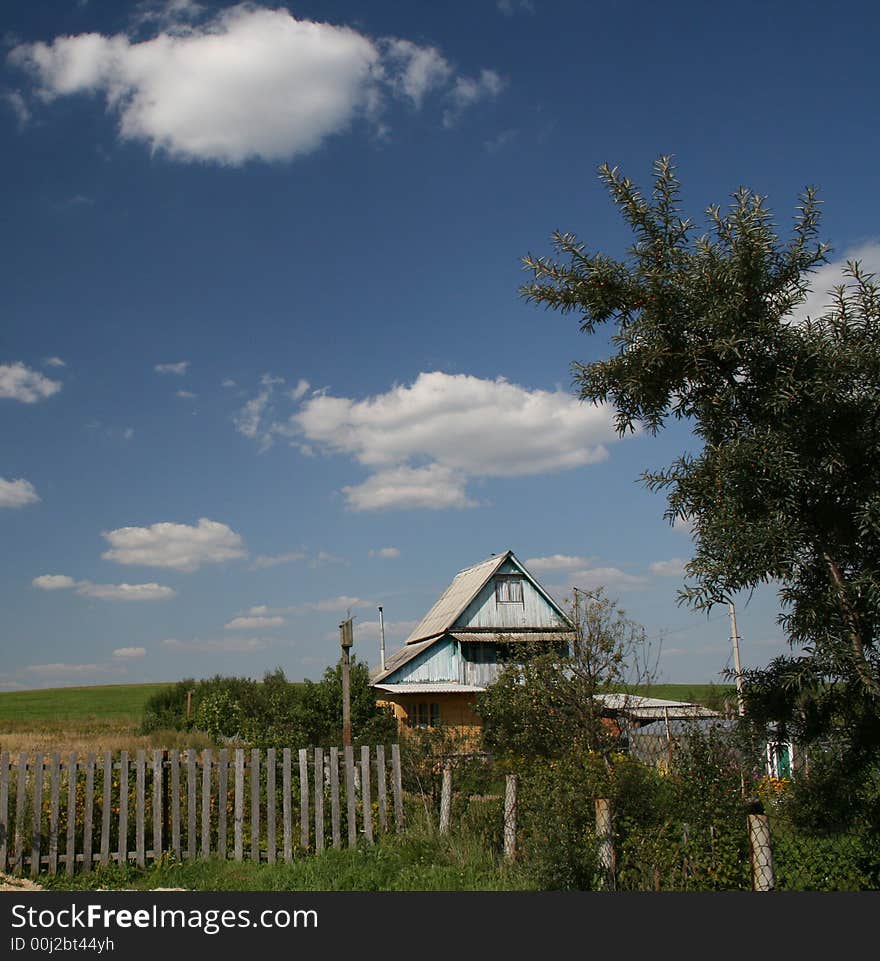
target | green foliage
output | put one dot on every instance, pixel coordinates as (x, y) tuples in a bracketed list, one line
[(784, 487), (545, 705), (273, 712)]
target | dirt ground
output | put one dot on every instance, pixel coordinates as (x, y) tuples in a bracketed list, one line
[(8, 883)]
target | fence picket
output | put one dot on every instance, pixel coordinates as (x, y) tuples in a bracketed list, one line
[(174, 761), (319, 799), (206, 802), (191, 803), (37, 836), (72, 768), (334, 797), (381, 788), (157, 804), (285, 805), (88, 811), (20, 797), (397, 787), (366, 797), (304, 799), (222, 801), (270, 805), (140, 808), (123, 807), (4, 809), (54, 817), (105, 808), (238, 810), (350, 796), (255, 805)]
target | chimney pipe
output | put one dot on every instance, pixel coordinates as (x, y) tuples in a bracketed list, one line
[(381, 639)]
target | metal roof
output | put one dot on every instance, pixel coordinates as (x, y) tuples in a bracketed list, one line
[(503, 637), (439, 687), (653, 708), (464, 588), (401, 657)]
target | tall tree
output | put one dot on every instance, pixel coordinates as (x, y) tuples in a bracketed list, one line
[(784, 488)]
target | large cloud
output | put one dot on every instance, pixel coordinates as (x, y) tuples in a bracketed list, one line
[(249, 83), (18, 382), (180, 547), (422, 442)]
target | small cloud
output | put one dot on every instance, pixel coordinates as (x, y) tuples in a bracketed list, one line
[(386, 553), (17, 493), (18, 105), (225, 645), (674, 567), (229, 382), (468, 91), (262, 561), (300, 389), (53, 582), (130, 652), (178, 369), (186, 394), (54, 362), (254, 623), (556, 562), (18, 382), (104, 592)]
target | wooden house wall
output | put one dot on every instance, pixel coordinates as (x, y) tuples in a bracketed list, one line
[(485, 612)]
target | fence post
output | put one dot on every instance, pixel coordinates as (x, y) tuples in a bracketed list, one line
[(763, 877), (607, 866), (510, 817), (446, 798), (397, 788)]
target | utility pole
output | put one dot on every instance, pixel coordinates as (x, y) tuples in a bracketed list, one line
[(736, 664), (346, 639)]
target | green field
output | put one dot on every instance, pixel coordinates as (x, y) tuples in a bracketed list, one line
[(117, 704)]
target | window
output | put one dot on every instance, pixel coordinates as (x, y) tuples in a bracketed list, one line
[(423, 715), (508, 589)]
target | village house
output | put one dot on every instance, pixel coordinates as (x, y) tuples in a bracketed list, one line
[(463, 642)]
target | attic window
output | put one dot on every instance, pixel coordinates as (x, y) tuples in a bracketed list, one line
[(508, 589)]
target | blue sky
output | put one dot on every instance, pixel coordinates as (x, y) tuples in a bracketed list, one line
[(263, 361)]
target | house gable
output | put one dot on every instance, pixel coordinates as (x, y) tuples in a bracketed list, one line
[(530, 609)]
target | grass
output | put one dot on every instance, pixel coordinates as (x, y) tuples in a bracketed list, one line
[(118, 704)]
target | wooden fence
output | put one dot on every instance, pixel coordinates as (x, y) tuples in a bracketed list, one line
[(71, 814)]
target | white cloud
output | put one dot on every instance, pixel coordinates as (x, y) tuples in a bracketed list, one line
[(556, 562), (250, 83), (18, 382), (434, 487), (300, 390), (104, 592), (424, 441), (831, 275), (254, 623), (468, 91), (53, 582), (63, 670), (249, 419), (611, 578), (386, 553), (17, 493), (327, 605), (178, 369), (130, 652), (228, 382), (186, 394), (224, 645), (54, 362), (674, 567), (262, 561), (181, 547), (18, 105), (415, 71)]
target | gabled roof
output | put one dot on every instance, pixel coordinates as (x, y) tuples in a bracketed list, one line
[(465, 586)]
